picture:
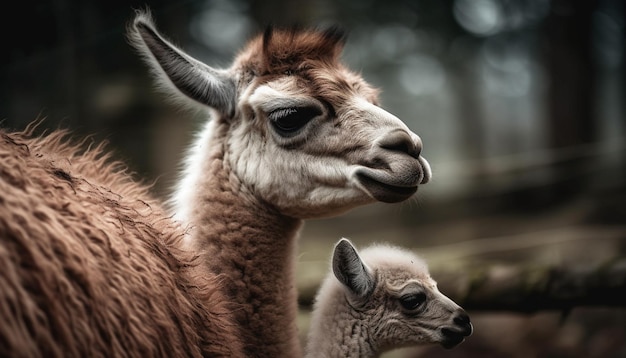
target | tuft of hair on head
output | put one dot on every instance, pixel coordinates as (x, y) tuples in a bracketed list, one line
[(283, 49)]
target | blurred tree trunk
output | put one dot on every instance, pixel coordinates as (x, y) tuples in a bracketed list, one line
[(531, 288), (466, 80), (569, 62)]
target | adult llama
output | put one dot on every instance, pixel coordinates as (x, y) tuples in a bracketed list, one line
[(93, 266)]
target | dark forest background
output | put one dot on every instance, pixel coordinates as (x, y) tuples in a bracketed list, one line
[(520, 105)]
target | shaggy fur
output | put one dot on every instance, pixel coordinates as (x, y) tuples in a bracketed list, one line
[(90, 265)]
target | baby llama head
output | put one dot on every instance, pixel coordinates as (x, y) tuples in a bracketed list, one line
[(378, 300)]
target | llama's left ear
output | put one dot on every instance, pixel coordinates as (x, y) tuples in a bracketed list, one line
[(351, 271), (177, 70)]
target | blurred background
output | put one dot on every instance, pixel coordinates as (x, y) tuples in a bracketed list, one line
[(520, 105)]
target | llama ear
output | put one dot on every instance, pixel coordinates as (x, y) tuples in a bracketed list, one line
[(175, 69), (350, 269)]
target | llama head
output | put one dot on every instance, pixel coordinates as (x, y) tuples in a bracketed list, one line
[(297, 128), (391, 291)]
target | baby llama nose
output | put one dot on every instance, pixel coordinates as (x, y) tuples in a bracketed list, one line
[(462, 319)]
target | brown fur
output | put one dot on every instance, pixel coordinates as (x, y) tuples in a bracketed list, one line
[(312, 56), (90, 264), (254, 248)]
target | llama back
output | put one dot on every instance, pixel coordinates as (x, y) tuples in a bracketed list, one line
[(90, 265)]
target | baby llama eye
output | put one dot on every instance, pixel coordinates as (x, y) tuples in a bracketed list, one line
[(412, 301)]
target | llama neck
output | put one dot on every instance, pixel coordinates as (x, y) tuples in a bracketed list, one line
[(335, 331), (253, 247)]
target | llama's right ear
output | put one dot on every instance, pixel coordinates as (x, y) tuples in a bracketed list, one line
[(350, 269), (177, 70)]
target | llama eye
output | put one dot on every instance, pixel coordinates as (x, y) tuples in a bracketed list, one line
[(287, 121), (412, 301)]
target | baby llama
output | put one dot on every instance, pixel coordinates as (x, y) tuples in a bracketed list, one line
[(379, 300), (291, 134)]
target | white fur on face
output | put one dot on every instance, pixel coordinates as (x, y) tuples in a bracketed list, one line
[(300, 184), (318, 171), (294, 174), (314, 173)]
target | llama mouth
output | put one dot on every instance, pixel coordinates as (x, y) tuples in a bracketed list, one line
[(393, 178), (451, 338), (385, 192)]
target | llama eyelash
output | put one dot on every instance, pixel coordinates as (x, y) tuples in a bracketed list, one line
[(281, 113)]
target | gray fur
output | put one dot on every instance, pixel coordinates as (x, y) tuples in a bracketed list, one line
[(192, 78), (350, 269)]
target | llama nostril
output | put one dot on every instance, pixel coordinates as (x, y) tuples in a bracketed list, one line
[(462, 319), (401, 141)]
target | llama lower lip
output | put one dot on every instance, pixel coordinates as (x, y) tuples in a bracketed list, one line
[(453, 338), (452, 342), (386, 193)]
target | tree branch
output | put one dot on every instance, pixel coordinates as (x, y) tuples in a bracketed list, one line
[(529, 288)]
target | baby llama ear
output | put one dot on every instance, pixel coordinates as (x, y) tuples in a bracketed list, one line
[(350, 269), (175, 69)]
